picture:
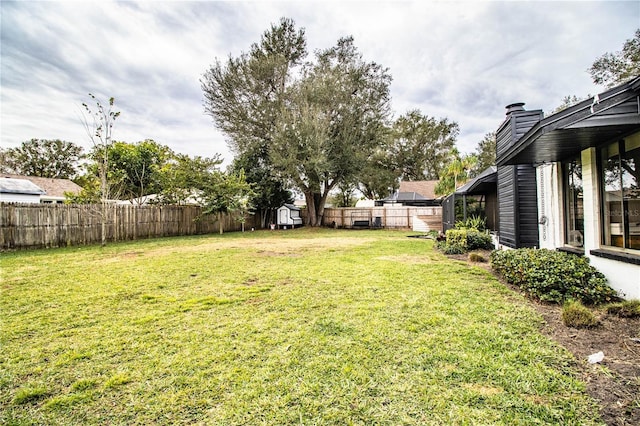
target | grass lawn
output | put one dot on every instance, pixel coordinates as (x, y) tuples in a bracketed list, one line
[(304, 327)]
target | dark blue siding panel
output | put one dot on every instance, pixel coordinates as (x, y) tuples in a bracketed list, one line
[(527, 215), (506, 203), (503, 138), (514, 127), (517, 189)]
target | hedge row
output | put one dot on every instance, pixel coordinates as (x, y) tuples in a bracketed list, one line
[(553, 276), (459, 241)]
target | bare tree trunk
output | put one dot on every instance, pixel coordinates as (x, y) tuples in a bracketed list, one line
[(220, 223), (99, 132), (103, 224), (320, 208), (263, 218), (103, 214), (315, 207), (311, 208)]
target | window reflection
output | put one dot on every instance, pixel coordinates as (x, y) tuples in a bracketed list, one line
[(620, 182), (574, 211)]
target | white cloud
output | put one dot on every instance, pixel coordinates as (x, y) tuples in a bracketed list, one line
[(461, 60)]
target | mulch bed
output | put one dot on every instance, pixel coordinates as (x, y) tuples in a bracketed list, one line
[(614, 382)]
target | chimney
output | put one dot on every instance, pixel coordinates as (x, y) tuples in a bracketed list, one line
[(516, 123), (518, 106)]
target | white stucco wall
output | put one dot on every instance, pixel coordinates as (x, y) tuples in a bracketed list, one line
[(591, 200), (550, 232), (623, 277)]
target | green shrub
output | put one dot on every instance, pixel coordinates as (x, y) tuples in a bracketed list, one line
[(625, 309), (475, 223), (459, 241), (457, 237), (477, 257), (479, 241), (576, 315), (453, 249), (456, 242), (553, 276)]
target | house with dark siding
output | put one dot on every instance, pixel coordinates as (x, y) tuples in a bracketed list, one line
[(477, 197), (571, 181)]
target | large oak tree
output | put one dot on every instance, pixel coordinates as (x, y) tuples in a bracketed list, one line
[(244, 96), (315, 125), (333, 121), (485, 154)]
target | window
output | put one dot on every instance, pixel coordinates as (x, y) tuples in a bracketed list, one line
[(468, 206), (573, 203), (621, 193)]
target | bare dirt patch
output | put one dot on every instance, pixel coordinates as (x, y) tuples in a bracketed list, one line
[(266, 246), (408, 259), (288, 245), (266, 253), (615, 382)]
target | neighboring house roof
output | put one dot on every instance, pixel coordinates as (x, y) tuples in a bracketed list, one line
[(419, 192), (607, 116), (19, 186), (54, 188), (424, 188), (140, 201), (481, 184), (408, 196), (403, 197)]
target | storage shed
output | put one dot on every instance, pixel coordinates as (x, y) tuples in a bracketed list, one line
[(19, 191), (289, 215)]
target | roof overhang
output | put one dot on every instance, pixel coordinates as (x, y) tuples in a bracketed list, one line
[(290, 207), (606, 117), (484, 183)]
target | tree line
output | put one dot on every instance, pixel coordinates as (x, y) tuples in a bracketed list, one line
[(320, 124), (141, 172)]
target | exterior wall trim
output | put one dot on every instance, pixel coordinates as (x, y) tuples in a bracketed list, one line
[(634, 259)]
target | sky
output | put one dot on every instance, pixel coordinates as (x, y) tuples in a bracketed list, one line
[(464, 61)]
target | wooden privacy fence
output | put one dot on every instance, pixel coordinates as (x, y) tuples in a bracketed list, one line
[(399, 217), (58, 225)]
